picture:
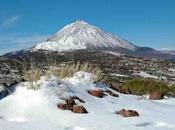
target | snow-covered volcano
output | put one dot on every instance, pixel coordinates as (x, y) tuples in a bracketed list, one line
[(81, 35)]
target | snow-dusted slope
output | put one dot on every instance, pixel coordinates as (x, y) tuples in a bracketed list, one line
[(37, 109), (81, 35)]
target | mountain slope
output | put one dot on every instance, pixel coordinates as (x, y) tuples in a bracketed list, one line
[(81, 35)]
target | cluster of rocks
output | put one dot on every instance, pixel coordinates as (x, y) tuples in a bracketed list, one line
[(71, 105)]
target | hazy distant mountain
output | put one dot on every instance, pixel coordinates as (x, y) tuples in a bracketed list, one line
[(172, 52)]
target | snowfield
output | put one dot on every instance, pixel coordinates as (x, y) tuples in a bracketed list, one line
[(37, 109)]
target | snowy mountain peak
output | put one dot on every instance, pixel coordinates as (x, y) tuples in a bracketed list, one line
[(81, 35)]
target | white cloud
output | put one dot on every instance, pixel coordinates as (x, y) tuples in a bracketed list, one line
[(10, 21), (14, 43)]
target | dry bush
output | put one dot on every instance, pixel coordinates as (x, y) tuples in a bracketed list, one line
[(69, 69), (32, 75)]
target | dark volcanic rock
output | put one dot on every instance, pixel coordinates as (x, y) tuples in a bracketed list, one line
[(96, 93), (79, 109), (127, 113)]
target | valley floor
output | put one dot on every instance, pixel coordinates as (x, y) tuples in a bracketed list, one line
[(37, 109)]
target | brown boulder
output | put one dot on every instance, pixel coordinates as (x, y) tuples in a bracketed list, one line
[(127, 113), (79, 109), (156, 96), (96, 93)]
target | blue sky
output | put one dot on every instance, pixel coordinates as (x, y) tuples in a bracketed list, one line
[(142, 22)]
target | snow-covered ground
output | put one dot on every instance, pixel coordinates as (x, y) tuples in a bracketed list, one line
[(37, 109)]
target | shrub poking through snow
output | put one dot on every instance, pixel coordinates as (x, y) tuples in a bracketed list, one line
[(69, 70), (72, 106), (33, 75), (127, 113)]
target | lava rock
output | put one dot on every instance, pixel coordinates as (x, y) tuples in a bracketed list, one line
[(127, 113), (79, 109), (96, 93)]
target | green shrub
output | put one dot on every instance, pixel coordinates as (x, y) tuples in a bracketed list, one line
[(145, 86), (172, 89)]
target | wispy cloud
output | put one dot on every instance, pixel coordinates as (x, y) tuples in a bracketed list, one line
[(10, 21), (14, 43)]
